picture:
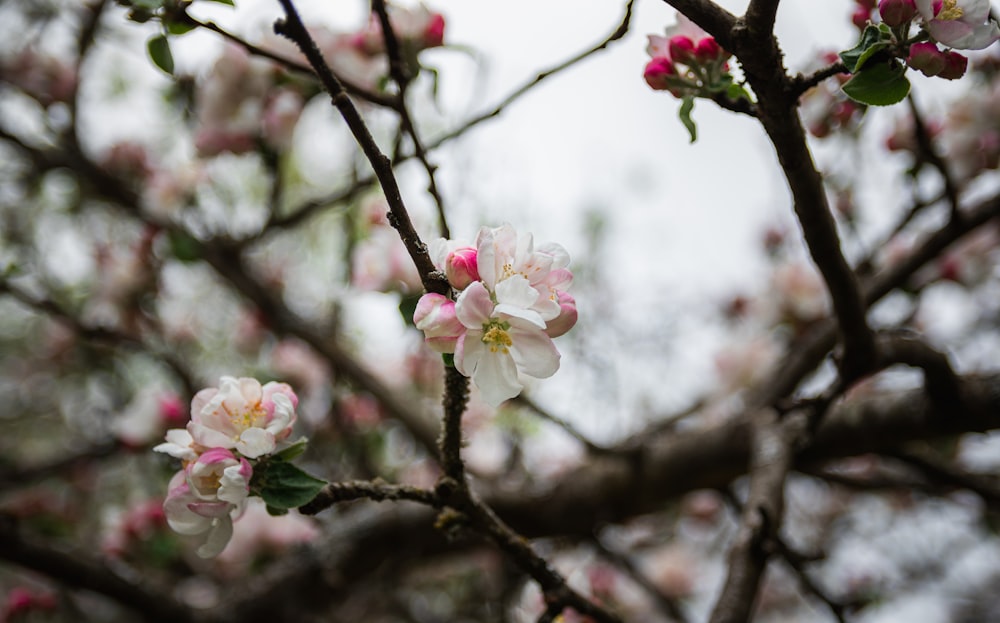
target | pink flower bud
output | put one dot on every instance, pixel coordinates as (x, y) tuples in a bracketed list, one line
[(172, 411), (566, 319), (461, 267), (681, 49), (709, 51), (954, 66), (658, 73), (927, 58), (897, 12), (861, 17), (434, 32), (435, 316)]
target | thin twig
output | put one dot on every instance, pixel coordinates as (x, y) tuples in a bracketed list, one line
[(400, 74), (293, 28)]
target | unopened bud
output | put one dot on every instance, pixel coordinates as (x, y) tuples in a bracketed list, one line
[(461, 267), (658, 73), (954, 66), (682, 49), (708, 50), (861, 17), (927, 58), (896, 12), (434, 32)]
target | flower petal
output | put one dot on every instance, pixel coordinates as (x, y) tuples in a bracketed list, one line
[(474, 306), (496, 377), (534, 352)]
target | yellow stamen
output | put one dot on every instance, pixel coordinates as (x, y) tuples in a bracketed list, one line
[(950, 11), (496, 336)]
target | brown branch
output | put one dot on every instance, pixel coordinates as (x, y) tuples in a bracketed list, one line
[(80, 571), (929, 153), (711, 17), (801, 83), (667, 604), (620, 31), (771, 457), (293, 29), (288, 63), (760, 15), (400, 74), (376, 491)]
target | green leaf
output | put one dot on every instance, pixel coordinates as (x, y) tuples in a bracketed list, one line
[(685, 114), (292, 451), (878, 84), (275, 512), (449, 359), (408, 305), (283, 485), (737, 92), (176, 27), (159, 50), (872, 41), (184, 247)]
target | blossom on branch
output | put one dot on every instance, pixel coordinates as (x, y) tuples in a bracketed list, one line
[(235, 429), (513, 301), (960, 24), (241, 414)]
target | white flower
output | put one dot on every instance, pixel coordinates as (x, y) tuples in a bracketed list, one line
[(243, 415), (503, 253), (503, 339), (179, 445), (960, 24), (188, 514)]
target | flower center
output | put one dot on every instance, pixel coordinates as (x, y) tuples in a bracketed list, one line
[(950, 11), (208, 483), (252, 417), (495, 335)]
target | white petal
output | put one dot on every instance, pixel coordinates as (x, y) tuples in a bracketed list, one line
[(474, 306), (255, 442), (516, 291), (218, 538), (496, 378), (468, 349), (534, 353)]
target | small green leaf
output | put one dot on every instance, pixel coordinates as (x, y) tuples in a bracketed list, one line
[(283, 485), (408, 305), (275, 512), (872, 41), (175, 27), (737, 92), (685, 114), (159, 50), (184, 247), (879, 84), (292, 451), (449, 359)]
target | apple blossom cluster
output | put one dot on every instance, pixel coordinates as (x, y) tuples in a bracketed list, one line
[(512, 301), (955, 24), (237, 421), (687, 61)]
